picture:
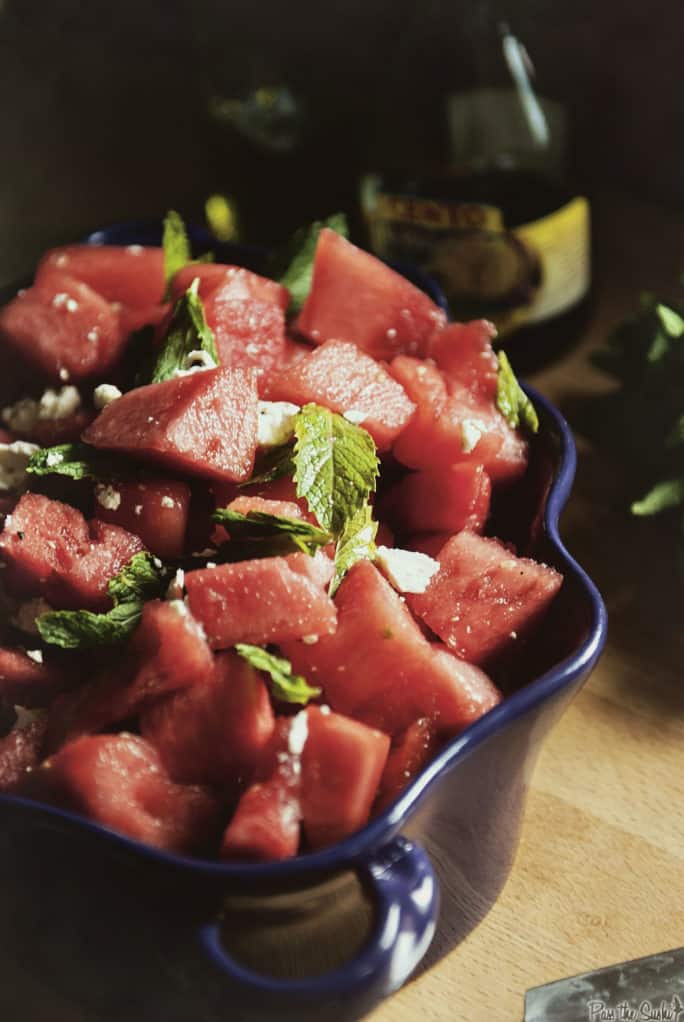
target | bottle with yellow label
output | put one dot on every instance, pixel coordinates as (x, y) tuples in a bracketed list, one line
[(495, 222)]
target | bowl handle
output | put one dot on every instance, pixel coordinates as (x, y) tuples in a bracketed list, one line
[(406, 896)]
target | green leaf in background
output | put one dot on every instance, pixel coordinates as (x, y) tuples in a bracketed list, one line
[(176, 246), (673, 323), (336, 466), (188, 332), (356, 543), (298, 258), (77, 461), (257, 525), (661, 497), (286, 686), (511, 399), (222, 217)]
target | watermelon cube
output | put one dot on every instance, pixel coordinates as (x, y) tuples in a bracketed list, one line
[(411, 751), (132, 275), (356, 297), (455, 498), (51, 550), (263, 601), (27, 682), (156, 511), (379, 668), (282, 489), (63, 328), (463, 351), (214, 732), (342, 762), (484, 599), (236, 283), (20, 751), (120, 782), (204, 424), (341, 377)]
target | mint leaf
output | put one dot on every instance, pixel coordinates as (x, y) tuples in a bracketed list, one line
[(272, 465), (336, 466), (672, 322), (143, 578), (188, 333), (286, 686), (77, 461), (258, 525), (356, 543), (511, 399), (299, 256), (221, 215), (176, 246), (667, 494)]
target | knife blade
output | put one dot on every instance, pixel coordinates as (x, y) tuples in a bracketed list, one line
[(649, 989)]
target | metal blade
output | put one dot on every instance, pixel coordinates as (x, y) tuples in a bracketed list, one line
[(645, 988)]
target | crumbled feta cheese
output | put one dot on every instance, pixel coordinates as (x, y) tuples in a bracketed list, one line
[(408, 570), (93, 335), (54, 458), (71, 305), (137, 510), (25, 617), (299, 732), (195, 362), (35, 654), (176, 586), (62, 259), (59, 404), (275, 422), (211, 564), (309, 640), (167, 501), (104, 394), (60, 300), (107, 497), (64, 374), (325, 710), (14, 458), (470, 435), (356, 416), (134, 249)]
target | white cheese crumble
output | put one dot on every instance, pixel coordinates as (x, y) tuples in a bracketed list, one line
[(299, 732), (25, 617), (35, 654), (195, 362), (14, 458), (107, 497), (71, 305), (275, 422), (470, 435), (167, 501), (60, 300), (22, 416), (355, 415), (408, 570), (64, 374), (309, 640), (176, 586), (104, 394), (134, 249), (93, 335)]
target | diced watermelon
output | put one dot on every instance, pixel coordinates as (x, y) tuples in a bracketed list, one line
[(168, 652), (455, 498), (341, 377), (379, 668), (156, 511), (484, 598), (464, 352), (132, 319), (65, 430), (204, 423), (282, 508), (282, 489), (25, 682), (119, 781), (355, 297), (20, 751), (266, 823), (235, 282), (130, 274), (452, 425), (342, 762), (63, 328), (262, 601), (215, 732), (411, 752), (52, 551)]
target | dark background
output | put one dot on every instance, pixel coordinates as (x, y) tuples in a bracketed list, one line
[(103, 107)]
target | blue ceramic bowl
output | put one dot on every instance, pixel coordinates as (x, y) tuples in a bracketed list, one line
[(121, 930)]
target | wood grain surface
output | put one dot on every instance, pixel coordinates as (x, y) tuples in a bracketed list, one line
[(599, 875)]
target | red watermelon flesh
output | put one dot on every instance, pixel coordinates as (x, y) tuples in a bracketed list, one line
[(379, 668), (342, 378), (427, 501), (120, 782), (25, 682), (356, 297), (65, 430), (236, 283), (464, 352), (130, 274), (20, 751), (168, 652), (63, 328), (204, 424), (266, 823), (484, 598), (214, 732), (342, 762), (263, 601), (409, 754), (282, 489), (52, 551), (246, 504), (156, 511), (429, 543), (452, 425)]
